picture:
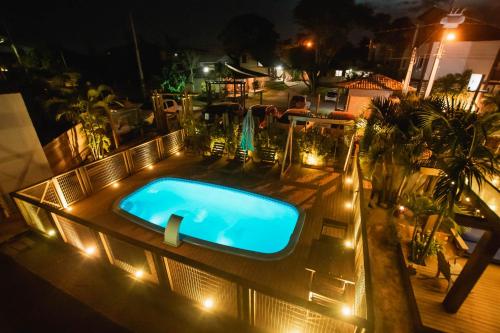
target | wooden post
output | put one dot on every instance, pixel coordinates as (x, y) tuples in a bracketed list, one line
[(318, 100), (288, 144), (261, 99), (481, 257)]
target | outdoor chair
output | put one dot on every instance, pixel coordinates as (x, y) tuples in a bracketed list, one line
[(444, 268), (268, 156), (217, 150), (241, 155)]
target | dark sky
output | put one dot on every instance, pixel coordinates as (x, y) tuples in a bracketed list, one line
[(81, 24)]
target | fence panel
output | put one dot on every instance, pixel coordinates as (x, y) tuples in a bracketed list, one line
[(172, 143), (275, 315), (36, 217), (71, 186), (201, 286), (77, 235), (105, 172), (44, 192), (144, 155), (130, 258)]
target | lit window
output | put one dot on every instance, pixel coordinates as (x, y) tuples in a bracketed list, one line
[(338, 73)]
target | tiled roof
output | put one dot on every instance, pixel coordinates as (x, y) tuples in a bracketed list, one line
[(374, 82)]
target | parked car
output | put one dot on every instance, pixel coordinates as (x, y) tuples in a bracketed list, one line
[(215, 111), (331, 95), (170, 106)]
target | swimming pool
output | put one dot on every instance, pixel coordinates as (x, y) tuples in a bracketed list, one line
[(219, 217)]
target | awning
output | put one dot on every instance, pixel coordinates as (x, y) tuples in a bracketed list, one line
[(238, 72)]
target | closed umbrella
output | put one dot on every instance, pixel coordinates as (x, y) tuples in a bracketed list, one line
[(247, 133)]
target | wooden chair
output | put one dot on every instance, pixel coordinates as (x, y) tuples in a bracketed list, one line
[(217, 150), (268, 156), (241, 155)]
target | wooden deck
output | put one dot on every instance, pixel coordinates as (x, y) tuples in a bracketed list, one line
[(479, 313), (317, 192)]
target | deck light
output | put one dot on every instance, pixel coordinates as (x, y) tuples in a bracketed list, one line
[(69, 209), (348, 205), (206, 69), (401, 208), (495, 181), (308, 44), (178, 153), (348, 180), (139, 273), (348, 244), (493, 207), (90, 250), (450, 36), (150, 167), (452, 183), (467, 199), (51, 232), (115, 185), (208, 303), (346, 310)]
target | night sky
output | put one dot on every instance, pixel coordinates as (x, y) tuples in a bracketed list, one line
[(84, 25)]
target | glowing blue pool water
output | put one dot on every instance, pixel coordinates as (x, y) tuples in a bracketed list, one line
[(228, 219)]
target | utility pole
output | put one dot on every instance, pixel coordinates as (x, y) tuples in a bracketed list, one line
[(451, 21), (137, 55), (406, 83)]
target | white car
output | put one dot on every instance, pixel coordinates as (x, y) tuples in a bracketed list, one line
[(170, 106), (331, 95)]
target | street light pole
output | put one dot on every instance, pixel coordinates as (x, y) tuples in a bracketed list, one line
[(450, 21)]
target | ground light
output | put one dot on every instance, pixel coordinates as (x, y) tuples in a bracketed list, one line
[(348, 205), (348, 244), (208, 303), (139, 274), (69, 209), (450, 36), (115, 185), (467, 199), (51, 232), (150, 167), (346, 310), (401, 208), (90, 250), (348, 180), (178, 153)]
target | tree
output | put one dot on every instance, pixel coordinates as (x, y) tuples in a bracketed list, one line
[(174, 78), (327, 24), (491, 102), (250, 33), (452, 88), (457, 138), (191, 61)]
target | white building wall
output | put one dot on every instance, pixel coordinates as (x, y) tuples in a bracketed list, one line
[(457, 57)]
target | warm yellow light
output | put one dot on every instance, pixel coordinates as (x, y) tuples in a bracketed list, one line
[(495, 181), (401, 208), (51, 232), (69, 209), (311, 159), (348, 204), (139, 273), (308, 44), (348, 244), (90, 250), (150, 167), (493, 207), (452, 183), (208, 303), (451, 36), (467, 199), (346, 310), (115, 185), (348, 180), (178, 153)]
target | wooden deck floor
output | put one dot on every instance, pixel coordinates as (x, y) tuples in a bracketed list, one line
[(318, 192), (479, 313)]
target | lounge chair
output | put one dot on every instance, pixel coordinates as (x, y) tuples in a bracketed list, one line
[(241, 155), (268, 156), (216, 152)]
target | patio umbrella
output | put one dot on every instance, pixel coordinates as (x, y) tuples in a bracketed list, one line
[(247, 132)]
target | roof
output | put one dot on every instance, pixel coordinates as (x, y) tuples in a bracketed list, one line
[(373, 82), (238, 72)]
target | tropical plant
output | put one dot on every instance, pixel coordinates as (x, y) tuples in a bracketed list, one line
[(391, 144), (452, 88), (491, 102), (92, 112), (174, 79), (191, 61), (457, 139)]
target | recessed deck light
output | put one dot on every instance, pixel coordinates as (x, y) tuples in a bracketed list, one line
[(139, 273), (90, 250), (346, 310), (51, 232), (208, 303)]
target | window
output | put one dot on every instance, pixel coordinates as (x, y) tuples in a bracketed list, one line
[(338, 73)]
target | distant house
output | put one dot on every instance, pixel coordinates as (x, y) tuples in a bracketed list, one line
[(361, 91)]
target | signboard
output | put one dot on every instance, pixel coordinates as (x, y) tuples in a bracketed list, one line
[(474, 82)]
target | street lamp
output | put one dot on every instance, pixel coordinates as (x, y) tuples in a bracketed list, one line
[(450, 21)]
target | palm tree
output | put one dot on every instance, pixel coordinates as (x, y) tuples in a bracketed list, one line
[(491, 102), (452, 87), (391, 142), (457, 138)]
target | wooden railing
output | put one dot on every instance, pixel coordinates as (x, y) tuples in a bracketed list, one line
[(42, 205)]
